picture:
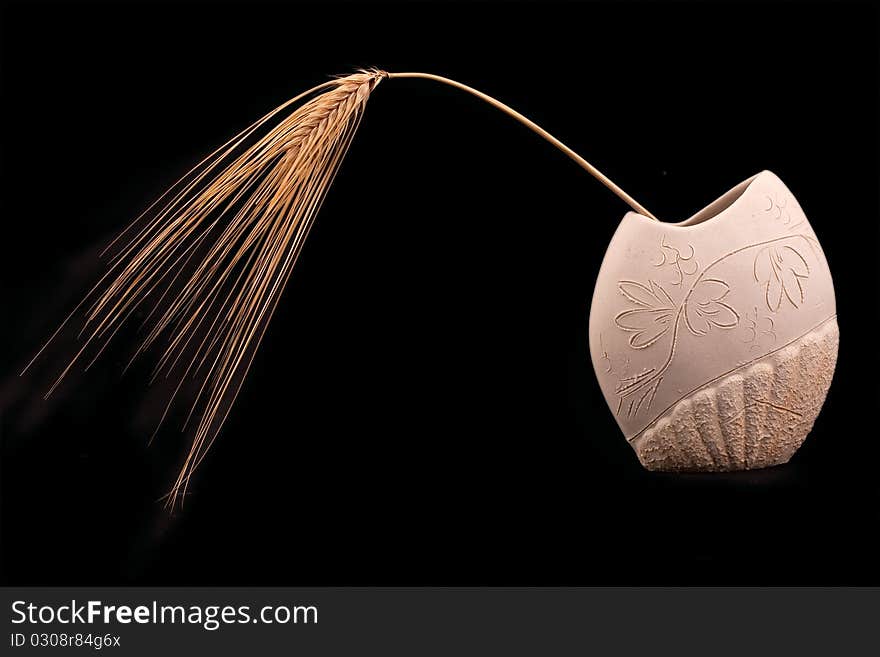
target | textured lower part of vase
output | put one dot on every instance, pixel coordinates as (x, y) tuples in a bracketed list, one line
[(755, 417)]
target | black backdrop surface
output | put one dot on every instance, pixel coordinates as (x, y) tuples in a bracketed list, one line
[(423, 409)]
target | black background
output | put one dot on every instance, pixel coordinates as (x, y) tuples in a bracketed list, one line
[(423, 409)]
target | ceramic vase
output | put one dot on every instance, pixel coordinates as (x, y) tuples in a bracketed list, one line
[(714, 340)]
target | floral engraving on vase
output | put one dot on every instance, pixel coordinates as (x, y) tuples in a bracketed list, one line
[(760, 332), (780, 270), (682, 265), (777, 206), (706, 307), (645, 400), (651, 319), (778, 267)]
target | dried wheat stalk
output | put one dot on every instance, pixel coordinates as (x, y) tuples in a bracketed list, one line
[(211, 257)]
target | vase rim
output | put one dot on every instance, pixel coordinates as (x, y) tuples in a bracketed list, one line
[(714, 211)]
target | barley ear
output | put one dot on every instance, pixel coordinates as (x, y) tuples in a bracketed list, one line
[(207, 262)]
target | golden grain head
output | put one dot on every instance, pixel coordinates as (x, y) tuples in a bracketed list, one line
[(204, 267)]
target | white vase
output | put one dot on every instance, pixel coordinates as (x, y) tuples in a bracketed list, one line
[(714, 340)]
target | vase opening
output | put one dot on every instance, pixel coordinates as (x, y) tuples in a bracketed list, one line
[(718, 206)]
